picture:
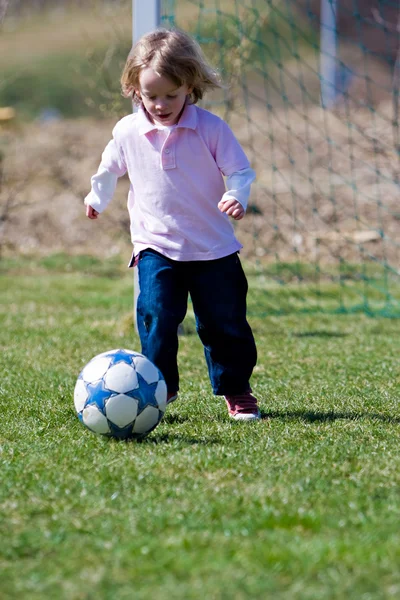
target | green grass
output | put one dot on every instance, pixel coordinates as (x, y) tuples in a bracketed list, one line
[(302, 505), (73, 64), (72, 84)]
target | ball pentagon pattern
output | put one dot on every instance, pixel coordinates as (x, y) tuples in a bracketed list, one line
[(121, 394)]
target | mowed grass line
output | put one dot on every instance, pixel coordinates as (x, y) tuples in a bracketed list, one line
[(303, 505)]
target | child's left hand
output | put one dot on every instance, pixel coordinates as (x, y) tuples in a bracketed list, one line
[(232, 207)]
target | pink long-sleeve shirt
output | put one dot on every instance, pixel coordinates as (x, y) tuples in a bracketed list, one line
[(176, 178)]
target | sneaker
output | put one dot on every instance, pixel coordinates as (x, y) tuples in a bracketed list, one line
[(243, 407), (171, 397)]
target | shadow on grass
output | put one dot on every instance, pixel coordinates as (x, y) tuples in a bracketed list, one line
[(175, 419), (184, 440), (320, 333), (329, 416)]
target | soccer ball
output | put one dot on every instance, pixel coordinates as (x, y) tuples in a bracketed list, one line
[(120, 394)]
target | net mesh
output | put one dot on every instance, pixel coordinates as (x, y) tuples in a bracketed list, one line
[(312, 93)]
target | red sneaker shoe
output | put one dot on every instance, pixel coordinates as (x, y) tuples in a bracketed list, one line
[(171, 397), (243, 407)]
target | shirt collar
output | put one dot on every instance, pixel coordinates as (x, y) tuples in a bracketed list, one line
[(188, 119)]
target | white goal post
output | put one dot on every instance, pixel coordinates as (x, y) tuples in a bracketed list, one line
[(328, 52), (146, 16)]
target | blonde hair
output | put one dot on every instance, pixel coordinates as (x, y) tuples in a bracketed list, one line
[(172, 54)]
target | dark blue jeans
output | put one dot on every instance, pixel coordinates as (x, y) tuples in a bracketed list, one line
[(218, 290)]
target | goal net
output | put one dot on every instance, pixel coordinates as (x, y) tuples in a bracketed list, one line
[(312, 93)]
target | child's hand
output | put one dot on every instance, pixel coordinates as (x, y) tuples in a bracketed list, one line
[(91, 212), (232, 207)]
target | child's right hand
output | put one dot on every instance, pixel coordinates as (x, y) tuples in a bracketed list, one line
[(91, 213)]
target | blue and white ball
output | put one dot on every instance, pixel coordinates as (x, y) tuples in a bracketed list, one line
[(120, 394)]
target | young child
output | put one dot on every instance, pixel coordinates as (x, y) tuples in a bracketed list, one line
[(176, 155)]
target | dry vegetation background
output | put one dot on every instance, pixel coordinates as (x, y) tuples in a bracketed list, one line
[(327, 184)]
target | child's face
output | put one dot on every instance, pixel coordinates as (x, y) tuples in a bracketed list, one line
[(161, 98)]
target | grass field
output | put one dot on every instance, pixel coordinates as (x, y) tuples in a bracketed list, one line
[(302, 505)]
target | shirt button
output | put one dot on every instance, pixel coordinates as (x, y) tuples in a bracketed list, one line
[(167, 151)]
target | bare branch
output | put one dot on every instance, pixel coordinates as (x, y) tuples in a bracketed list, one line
[(3, 9), (388, 26), (396, 74), (396, 101)]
